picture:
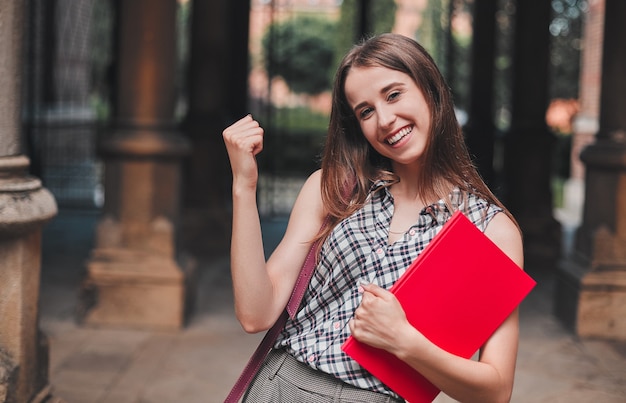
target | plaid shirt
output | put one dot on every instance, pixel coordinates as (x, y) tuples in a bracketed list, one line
[(358, 250)]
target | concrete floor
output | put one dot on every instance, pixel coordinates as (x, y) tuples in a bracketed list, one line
[(201, 362)]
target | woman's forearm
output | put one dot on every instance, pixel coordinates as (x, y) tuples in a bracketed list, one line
[(251, 283), (488, 380)]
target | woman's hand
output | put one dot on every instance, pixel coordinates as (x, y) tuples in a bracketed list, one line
[(379, 320), (244, 140)]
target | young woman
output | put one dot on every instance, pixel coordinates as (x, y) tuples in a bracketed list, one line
[(394, 169)]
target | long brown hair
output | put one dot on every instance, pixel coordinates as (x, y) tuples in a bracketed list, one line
[(349, 163)]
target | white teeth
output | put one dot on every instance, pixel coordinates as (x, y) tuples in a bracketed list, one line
[(400, 135)]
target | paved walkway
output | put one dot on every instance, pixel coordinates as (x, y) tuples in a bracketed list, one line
[(199, 363)]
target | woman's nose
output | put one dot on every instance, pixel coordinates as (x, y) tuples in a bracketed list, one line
[(386, 117)]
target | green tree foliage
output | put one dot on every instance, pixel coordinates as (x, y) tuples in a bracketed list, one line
[(382, 15), (301, 51), (432, 32)]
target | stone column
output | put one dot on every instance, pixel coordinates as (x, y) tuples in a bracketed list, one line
[(217, 95), (528, 144), (24, 208), (479, 130), (136, 277), (591, 284)]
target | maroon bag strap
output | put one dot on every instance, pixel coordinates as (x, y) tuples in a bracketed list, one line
[(255, 362)]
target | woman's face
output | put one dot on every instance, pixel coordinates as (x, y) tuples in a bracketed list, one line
[(391, 110)]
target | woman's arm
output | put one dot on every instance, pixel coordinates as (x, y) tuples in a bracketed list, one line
[(382, 323), (261, 288)]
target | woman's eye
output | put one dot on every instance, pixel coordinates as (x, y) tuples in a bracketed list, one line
[(365, 112), (393, 95)]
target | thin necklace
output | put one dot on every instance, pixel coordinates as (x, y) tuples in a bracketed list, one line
[(398, 232)]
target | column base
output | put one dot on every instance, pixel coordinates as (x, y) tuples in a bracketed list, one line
[(129, 288), (17, 386), (8, 376), (591, 303)]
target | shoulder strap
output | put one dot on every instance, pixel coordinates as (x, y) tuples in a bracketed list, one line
[(255, 362)]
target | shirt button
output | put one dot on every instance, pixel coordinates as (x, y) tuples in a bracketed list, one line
[(380, 251), (412, 232), (311, 358), (337, 325)]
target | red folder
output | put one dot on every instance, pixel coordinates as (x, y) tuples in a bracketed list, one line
[(457, 292)]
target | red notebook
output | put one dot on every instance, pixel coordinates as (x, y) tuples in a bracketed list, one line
[(457, 292)]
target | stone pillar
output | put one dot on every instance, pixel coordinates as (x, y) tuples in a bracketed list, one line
[(136, 277), (591, 284), (529, 143), (217, 95), (479, 130), (24, 208)]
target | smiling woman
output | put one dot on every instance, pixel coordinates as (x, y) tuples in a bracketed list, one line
[(391, 111), (394, 170)]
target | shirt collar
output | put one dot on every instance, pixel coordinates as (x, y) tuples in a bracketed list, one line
[(438, 210)]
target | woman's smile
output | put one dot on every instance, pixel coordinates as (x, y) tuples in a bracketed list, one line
[(392, 140)]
